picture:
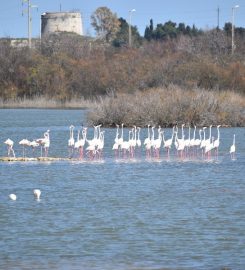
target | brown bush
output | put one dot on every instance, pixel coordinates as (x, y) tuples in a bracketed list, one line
[(168, 106)]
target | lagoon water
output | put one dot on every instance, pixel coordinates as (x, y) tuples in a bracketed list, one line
[(118, 214)]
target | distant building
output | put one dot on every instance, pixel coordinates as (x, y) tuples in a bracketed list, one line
[(53, 22)]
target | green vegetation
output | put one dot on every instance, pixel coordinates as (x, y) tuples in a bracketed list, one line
[(67, 67)]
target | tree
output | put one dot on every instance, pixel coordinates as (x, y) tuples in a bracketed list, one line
[(121, 38), (227, 28), (181, 28), (149, 31), (105, 23)]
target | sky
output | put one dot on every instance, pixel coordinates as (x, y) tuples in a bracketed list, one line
[(202, 13)]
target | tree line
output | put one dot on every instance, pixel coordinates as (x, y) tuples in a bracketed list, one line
[(67, 66)]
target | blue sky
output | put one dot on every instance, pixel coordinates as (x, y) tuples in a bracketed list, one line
[(201, 13)]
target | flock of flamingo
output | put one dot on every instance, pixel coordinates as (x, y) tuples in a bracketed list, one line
[(43, 142), (185, 146)]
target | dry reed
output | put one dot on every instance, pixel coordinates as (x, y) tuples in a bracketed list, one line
[(170, 106), (42, 102)]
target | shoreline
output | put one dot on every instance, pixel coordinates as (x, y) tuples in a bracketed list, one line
[(44, 103), (43, 108)]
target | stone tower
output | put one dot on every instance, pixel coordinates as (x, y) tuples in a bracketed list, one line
[(53, 22)]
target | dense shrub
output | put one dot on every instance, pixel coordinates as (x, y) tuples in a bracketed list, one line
[(170, 106), (67, 66)]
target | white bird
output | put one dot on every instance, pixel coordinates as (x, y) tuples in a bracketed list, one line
[(188, 141), (147, 140), (24, 143), (126, 144), (71, 141), (198, 141), (116, 141), (138, 142), (192, 141), (12, 197), (233, 147), (37, 193), (180, 143), (44, 142), (217, 141), (168, 143), (10, 144), (117, 135), (209, 147), (203, 141), (34, 144), (79, 144), (120, 140), (76, 145), (156, 143)]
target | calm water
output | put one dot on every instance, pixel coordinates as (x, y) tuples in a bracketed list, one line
[(118, 214)]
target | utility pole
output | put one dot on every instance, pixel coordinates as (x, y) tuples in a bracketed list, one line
[(129, 28), (29, 7), (218, 18), (232, 29)]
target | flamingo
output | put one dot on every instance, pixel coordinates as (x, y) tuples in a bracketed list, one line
[(33, 145), (120, 140), (168, 143), (188, 141), (133, 141), (217, 141), (91, 151), (233, 147), (71, 141), (192, 141), (115, 148), (76, 145), (208, 141), (126, 144), (37, 194), (117, 134), (44, 142), (197, 142), (92, 144), (97, 133), (180, 144), (209, 147), (157, 143), (10, 145), (150, 143), (148, 139), (24, 143), (116, 142), (101, 143), (79, 144), (138, 142), (203, 142), (179, 141), (12, 197)]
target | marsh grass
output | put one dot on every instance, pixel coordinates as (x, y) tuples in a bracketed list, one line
[(170, 106), (42, 102)]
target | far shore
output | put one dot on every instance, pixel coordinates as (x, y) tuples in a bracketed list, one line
[(44, 103)]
